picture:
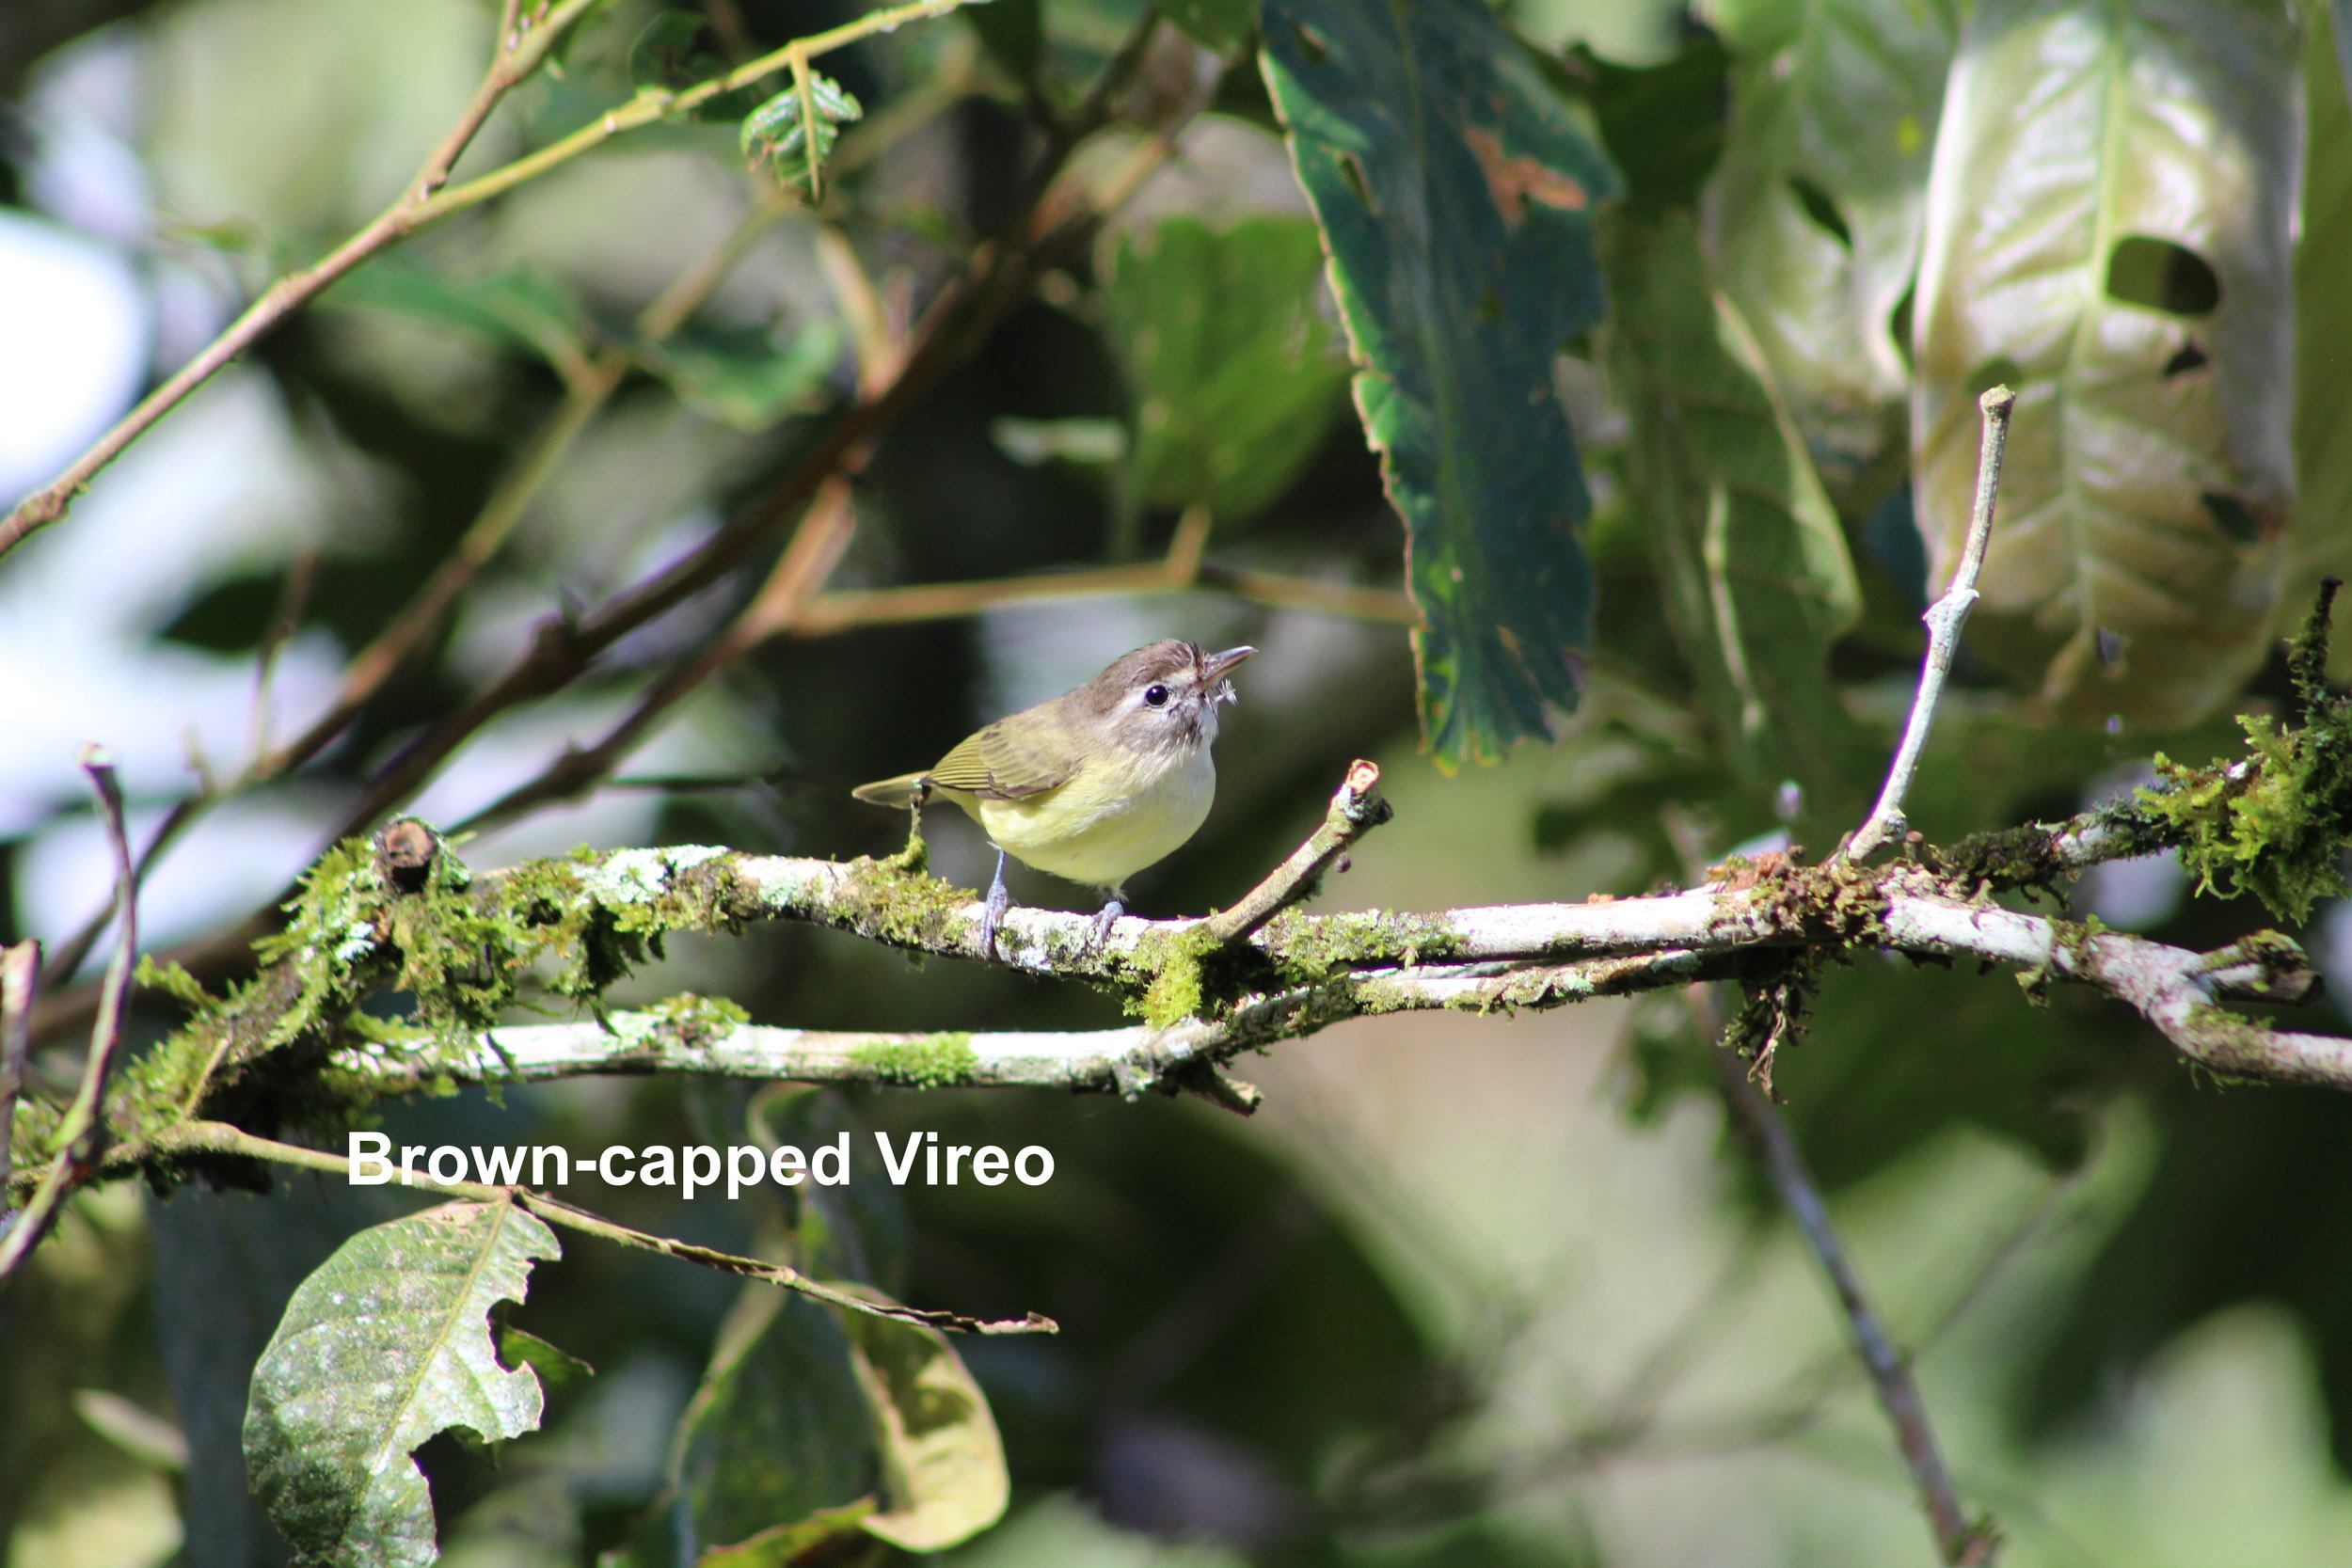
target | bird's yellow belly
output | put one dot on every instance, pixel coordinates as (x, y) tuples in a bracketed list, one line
[(1100, 829)]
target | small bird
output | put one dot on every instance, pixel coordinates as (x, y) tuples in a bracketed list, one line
[(1094, 785)]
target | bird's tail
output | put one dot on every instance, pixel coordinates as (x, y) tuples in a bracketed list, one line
[(906, 791)]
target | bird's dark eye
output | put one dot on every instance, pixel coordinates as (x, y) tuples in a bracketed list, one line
[(1156, 696)]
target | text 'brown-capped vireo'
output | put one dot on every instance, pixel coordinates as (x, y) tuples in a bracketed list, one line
[(1094, 785)]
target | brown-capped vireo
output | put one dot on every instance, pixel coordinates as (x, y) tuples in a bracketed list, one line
[(1094, 785)]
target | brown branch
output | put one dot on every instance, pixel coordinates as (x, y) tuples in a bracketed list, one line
[(1959, 1539), (20, 975)]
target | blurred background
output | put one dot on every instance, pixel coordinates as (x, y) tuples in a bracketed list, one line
[(1470, 1290)]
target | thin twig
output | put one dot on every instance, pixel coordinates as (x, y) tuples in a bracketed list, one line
[(1944, 619), (1355, 811), (20, 976), (218, 1138), (81, 1137), (1959, 1539)]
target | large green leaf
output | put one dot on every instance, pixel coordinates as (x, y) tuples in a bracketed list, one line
[(1817, 204), (942, 1460), (2109, 230), (386, 1344), (777, 1432), (1757, 582), (2323, 349), (520, 307), (1234, 372), (1454, 190)]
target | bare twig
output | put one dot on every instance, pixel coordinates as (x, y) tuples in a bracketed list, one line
[(1355, 811), (20, 976), (217, 1137), (81, 1137), (1944, 619), (1959, 1539)]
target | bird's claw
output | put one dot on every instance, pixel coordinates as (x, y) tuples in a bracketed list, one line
[(1099, 933), (992, 913)]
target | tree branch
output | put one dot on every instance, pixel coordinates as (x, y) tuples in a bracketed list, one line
[(1945, 618), (1356, 810)]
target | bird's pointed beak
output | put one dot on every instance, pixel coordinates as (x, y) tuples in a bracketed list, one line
[(1213, 670), (1217, 665)]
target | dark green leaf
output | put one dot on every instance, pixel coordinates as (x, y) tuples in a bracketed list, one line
[(1234, 372), (1820, 200), (667, 57), (1453, 190), (386, 1344), (1662, 124), (525, 309), (1756, 577), (747, 379), (1220, 26), (778, 1430), (2072, 135), (943, 1463)]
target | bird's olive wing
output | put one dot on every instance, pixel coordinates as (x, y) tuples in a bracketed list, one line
[(1005, 764)]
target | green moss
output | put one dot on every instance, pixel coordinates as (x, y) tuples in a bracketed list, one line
[(1177, 992), (939, 1062), (894, 901), (1313, 948), (2275, 824)]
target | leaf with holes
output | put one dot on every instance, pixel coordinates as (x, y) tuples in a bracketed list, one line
[(386, 1344), (1817, 206), (1757, 582), (1454, 189), (2109, 229), (1234, 372), (2322, 541)]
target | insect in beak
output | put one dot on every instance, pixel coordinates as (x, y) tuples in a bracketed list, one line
[(1212, 670)]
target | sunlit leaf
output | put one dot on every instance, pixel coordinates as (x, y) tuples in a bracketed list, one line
[(1757, 582), (2109, 230), (777, 1432), (1235, 374), (1453, 190), (386, 1344), (1817, 206), (555, 1366), (943, 1464)]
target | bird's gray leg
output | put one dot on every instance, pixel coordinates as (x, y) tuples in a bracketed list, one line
[(993, 911), (1098, 934)]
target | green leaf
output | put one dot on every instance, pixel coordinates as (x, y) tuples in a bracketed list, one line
[(1013, 32), (781, 132), (667, 57), (2109, 230), (1453, 192), (1234, 372), (555, 1366), (1820, 198), (1220, 26), (1757, 582), (747, 379), (857, 1230), (2321, 545), (527, 310), (386, 1344), (777, 1432), (943, 1463)]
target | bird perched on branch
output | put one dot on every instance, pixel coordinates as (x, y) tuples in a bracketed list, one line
[(1094, 785)]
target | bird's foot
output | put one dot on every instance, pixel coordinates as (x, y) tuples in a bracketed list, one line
[(1098, 934), (992, 912)]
